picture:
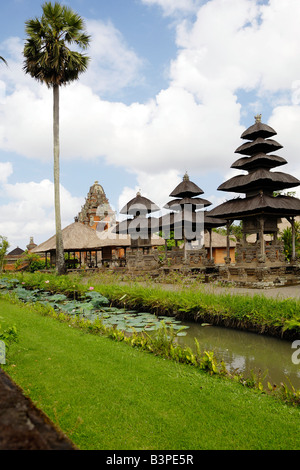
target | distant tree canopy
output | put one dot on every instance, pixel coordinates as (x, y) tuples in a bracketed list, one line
[(234, 230)]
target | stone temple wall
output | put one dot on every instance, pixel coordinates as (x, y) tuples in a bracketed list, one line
[(250, 253)]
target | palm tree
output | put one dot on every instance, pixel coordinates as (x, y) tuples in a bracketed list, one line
[(3, 60), (49, 60)]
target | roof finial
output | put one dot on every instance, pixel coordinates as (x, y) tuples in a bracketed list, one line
[(257, 118), (186, 177)]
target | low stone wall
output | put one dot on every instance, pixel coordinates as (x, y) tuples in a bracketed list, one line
[(137, 260), (261, 276), (250, 253)]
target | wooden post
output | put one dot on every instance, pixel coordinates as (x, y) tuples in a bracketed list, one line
[(210, 243), (228, 224)]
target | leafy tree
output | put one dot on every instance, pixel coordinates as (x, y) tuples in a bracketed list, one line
[(32, 261), (4, 245), (235, 230), (49, 60), (286, 236)]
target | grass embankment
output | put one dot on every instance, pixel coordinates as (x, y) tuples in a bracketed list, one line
[(107, 395), (257, 313)]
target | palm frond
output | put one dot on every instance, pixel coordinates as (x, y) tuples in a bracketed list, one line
[(48, 57)]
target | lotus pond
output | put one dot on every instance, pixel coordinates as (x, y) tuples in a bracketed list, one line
[(94, 306), (240, 350)]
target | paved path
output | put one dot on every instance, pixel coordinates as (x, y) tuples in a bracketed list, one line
[(275, 292)]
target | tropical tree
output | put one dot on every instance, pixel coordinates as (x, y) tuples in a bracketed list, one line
[(4, 245), (49, 60), (287, 238), (3, 60)]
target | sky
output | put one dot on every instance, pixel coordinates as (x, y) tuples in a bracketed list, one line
[(170, 88)]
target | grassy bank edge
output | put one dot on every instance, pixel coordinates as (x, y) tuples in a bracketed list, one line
[(162, 343), (275, 317)]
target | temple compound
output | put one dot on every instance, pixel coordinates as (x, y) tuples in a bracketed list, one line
[(184, 239), (260, 210)]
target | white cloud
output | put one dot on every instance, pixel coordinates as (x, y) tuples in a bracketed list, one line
[(154, 186), (241, 44), (6, 169), (170, 7), (32, 207), (193, 124), (286, 120), (114, 65)]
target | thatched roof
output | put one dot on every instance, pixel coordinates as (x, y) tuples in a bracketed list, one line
[(260, 160), (238, 208), (80, 237), (260, 178), (172, 220), (218, 240), (212, 222), (186, 188), (112, 236), (16, 252), (258, 130), (139, 205), (259, 145), (178, 204), (76, 236), (142, 225)]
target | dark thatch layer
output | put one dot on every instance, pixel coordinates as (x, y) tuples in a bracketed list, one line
[(281, 206), (177, 204), (261, 160), (186, 189), (258, 130), (212, 222), (139, 205), (258, 179), (259, 145)]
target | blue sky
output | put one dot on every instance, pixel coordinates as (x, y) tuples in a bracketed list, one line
[(171, 86)]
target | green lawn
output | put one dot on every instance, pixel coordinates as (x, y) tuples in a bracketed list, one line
[(108, 395)]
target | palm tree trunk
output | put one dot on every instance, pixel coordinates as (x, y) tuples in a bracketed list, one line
[(60, 259)]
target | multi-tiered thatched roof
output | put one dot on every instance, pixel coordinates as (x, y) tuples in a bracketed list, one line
[(260, 184)]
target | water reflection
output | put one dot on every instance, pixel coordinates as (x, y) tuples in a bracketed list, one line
[(246, 352)]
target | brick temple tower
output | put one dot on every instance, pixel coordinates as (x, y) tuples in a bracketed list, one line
[(96, 212)]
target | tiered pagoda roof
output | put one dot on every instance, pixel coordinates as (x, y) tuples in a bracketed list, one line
[(260, 183), (186, 194), (138, 207)]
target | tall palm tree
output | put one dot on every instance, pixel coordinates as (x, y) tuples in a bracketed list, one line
[(49, 60)]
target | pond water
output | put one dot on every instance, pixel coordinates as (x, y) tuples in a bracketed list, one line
[(247, 352)]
